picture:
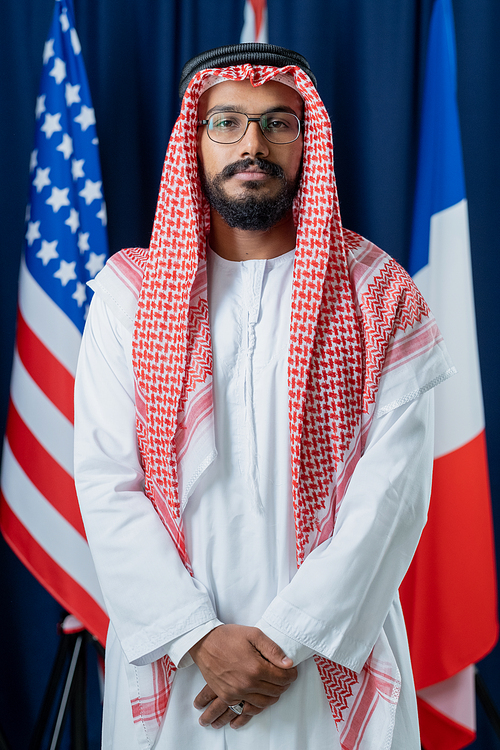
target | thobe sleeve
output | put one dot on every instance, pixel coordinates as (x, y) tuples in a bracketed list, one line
[(151, 598), (337, 602)]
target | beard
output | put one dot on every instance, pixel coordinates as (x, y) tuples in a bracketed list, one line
[(254, 212)]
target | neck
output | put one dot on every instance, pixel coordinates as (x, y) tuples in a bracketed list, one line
[(240, 244)]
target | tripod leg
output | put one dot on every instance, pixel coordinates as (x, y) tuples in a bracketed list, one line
[(487, 703), (56, 734), (50, 693), (79, 705)]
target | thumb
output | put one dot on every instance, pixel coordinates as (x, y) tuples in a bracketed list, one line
[(272, 652)]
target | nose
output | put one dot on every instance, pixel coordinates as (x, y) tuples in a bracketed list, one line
[(254, 142)]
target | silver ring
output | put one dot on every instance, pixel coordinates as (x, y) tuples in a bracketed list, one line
[(237, 708)]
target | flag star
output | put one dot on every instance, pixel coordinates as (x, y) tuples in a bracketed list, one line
[(48, 251), (73, 221), (102, 215), (66, 146), (63, 18), (95, 141), (83, 241), (33, 159), (66, 272), (77, 168), (86, 117), (27, 213), (91, 191), (72, 94), (33, 232), (75, 42), (95, 263), (40, 106), (58, 198), (51, 124), (81, 294), (48, 51), (42, 179), (85, 315), (59, 70)]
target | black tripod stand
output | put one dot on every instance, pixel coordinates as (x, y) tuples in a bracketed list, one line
[(66, 691)]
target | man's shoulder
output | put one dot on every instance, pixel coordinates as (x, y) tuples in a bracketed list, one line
[(369, 265), (129, 265), (119, 283)]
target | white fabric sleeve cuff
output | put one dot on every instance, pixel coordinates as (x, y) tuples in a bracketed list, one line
[(178, 648), (295, 651)]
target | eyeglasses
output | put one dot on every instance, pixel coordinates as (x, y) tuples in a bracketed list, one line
[(230, 127)]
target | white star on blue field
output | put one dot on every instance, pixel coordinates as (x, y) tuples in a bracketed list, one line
[(66, 242)]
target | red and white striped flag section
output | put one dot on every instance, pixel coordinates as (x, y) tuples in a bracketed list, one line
[(254, 22), (449, 594), (65, 246)]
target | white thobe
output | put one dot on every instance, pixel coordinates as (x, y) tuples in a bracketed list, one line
[(239, 527)]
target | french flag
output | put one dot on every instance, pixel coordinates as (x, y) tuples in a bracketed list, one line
[(449, 594)]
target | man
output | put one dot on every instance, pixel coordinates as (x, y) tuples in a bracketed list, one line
[(254, 438)]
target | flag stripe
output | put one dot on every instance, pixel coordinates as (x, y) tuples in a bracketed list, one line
[(55, 579), (51, 530), (40, 467), (467, 622), (49, 426), (48, 373), (438, 732), (47, 321)]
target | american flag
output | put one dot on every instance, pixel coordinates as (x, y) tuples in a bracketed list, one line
[(65, 246)]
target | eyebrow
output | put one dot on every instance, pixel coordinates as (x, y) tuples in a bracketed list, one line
[(233, 108)]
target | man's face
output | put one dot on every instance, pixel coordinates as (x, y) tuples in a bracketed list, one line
[(252, 183)]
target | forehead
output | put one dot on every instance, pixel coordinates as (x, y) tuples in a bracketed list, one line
[(244, 97)]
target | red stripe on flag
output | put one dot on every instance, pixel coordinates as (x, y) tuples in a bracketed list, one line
[(46, 370), (448, 595), (258, 9), (48, 476), (73, 597), (438, 732)]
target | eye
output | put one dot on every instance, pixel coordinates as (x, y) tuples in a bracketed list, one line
[(224, 121), (274, 123)]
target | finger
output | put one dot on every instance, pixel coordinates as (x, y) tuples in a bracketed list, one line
[(237, 721), (204, 697), (240, 721), (257, 702), (271, 651), (215, 712)]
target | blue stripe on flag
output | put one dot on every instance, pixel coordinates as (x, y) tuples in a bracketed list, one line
[(440, 174)]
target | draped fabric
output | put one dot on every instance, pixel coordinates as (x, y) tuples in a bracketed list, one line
[(369, 63)]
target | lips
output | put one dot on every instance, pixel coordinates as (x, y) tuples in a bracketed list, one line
[(251, 174)]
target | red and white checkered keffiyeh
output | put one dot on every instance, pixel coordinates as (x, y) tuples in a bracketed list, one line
[(359, 331)]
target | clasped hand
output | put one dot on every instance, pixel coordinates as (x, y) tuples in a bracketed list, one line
[(239, 663)]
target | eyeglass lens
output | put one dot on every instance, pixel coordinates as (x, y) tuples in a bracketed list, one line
[(229, 127)]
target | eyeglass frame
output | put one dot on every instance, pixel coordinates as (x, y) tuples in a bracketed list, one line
[(253, 119)]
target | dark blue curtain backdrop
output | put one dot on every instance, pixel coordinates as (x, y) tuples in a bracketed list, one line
[(368, 56)]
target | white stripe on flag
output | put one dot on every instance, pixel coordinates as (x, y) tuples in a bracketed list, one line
[(57, 537), (48, 321), (454, 697), (48, 425), (446, 283)]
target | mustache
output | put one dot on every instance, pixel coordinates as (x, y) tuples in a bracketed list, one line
[(268, 167)]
